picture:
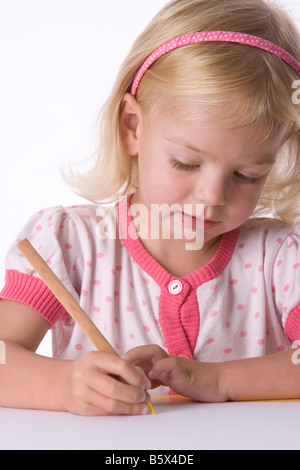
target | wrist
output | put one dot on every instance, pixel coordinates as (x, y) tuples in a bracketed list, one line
[(206, 382)]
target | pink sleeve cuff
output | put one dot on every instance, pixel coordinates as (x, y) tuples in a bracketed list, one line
[(292, 327), (34, 293)]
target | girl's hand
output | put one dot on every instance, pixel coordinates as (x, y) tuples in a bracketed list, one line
[(193, 379), (92, 389)]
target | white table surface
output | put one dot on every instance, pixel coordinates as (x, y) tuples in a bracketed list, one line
[(176, 426)]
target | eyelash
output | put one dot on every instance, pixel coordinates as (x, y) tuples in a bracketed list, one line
[(248, 179), (243, 179), (184, 166)]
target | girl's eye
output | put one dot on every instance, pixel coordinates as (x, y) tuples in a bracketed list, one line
[(184, 166), (249, 179)]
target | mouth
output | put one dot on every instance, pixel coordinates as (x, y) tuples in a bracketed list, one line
[(210, 224), (197, 223)]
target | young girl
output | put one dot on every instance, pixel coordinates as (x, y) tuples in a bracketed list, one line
[(200, 134)]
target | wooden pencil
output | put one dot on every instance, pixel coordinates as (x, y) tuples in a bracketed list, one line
[(66, 299)]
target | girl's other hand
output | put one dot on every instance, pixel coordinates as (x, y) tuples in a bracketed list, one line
[(93, 386), (197, 380), (145, 357)]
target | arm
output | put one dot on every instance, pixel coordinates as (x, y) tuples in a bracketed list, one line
[(269, 377), (85, 386)]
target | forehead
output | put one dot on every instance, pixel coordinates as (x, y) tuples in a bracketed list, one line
[(212, 117), (212, 114)]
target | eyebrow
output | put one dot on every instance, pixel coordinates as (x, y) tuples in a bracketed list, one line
[(266, 160)]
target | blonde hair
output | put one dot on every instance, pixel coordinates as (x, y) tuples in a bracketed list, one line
[(246, 85)]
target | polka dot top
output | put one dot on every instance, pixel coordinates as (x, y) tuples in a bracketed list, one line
[(243, 303)]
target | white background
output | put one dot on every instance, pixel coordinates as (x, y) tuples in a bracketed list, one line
[(58, 60)]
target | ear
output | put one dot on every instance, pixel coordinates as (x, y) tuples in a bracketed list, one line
[(130, 118)]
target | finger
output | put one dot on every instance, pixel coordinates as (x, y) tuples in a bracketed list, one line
[(96, 404), (168, 371), (111, 387), (144, 354), (116, 366)]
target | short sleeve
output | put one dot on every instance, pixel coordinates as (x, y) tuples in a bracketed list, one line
[(286, 281), (53, 233)]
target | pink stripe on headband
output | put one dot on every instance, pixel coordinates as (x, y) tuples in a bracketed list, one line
[(214, 36)]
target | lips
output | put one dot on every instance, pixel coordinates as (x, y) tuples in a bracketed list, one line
[(210, 224), (196, 223)]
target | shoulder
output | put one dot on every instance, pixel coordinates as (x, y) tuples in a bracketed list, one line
[(271, 236), (83, 218)]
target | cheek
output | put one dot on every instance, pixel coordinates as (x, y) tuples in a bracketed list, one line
[(246, 200)]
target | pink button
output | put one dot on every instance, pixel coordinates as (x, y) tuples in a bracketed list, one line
[(175, 287)]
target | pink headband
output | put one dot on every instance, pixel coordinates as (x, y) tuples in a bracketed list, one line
[(214, 36)]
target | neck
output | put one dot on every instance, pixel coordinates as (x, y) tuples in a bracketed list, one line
[(172, 254)]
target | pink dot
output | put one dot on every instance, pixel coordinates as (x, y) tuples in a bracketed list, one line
[(296, 266), (68, 246), (29, 272), (38, 228), (280, 348), (280, 241), (291, 244), (119, 268), (248, 266), (257, 315), (228, 351), (108, 298), (116, 293), (286, 288), (261, 342), (243, 334), (146, 281), (118, 346), (210, 341), (79, 347), (116, 320), (96, 282), (84, 292), (228, 324), (254, 290), (97, 309), (49, 261), (241, 246), (241, 307), (100, 255), (144, 303), (131, 336), (129, 309), (234, 282), (89, 264), (214, 314), (213, 287), (260, 269), (147, 328), (279, 263)]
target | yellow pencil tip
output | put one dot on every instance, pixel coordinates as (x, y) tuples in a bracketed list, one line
[(151, 408)]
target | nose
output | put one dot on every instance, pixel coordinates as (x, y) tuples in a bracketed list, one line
[(211, 189)]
